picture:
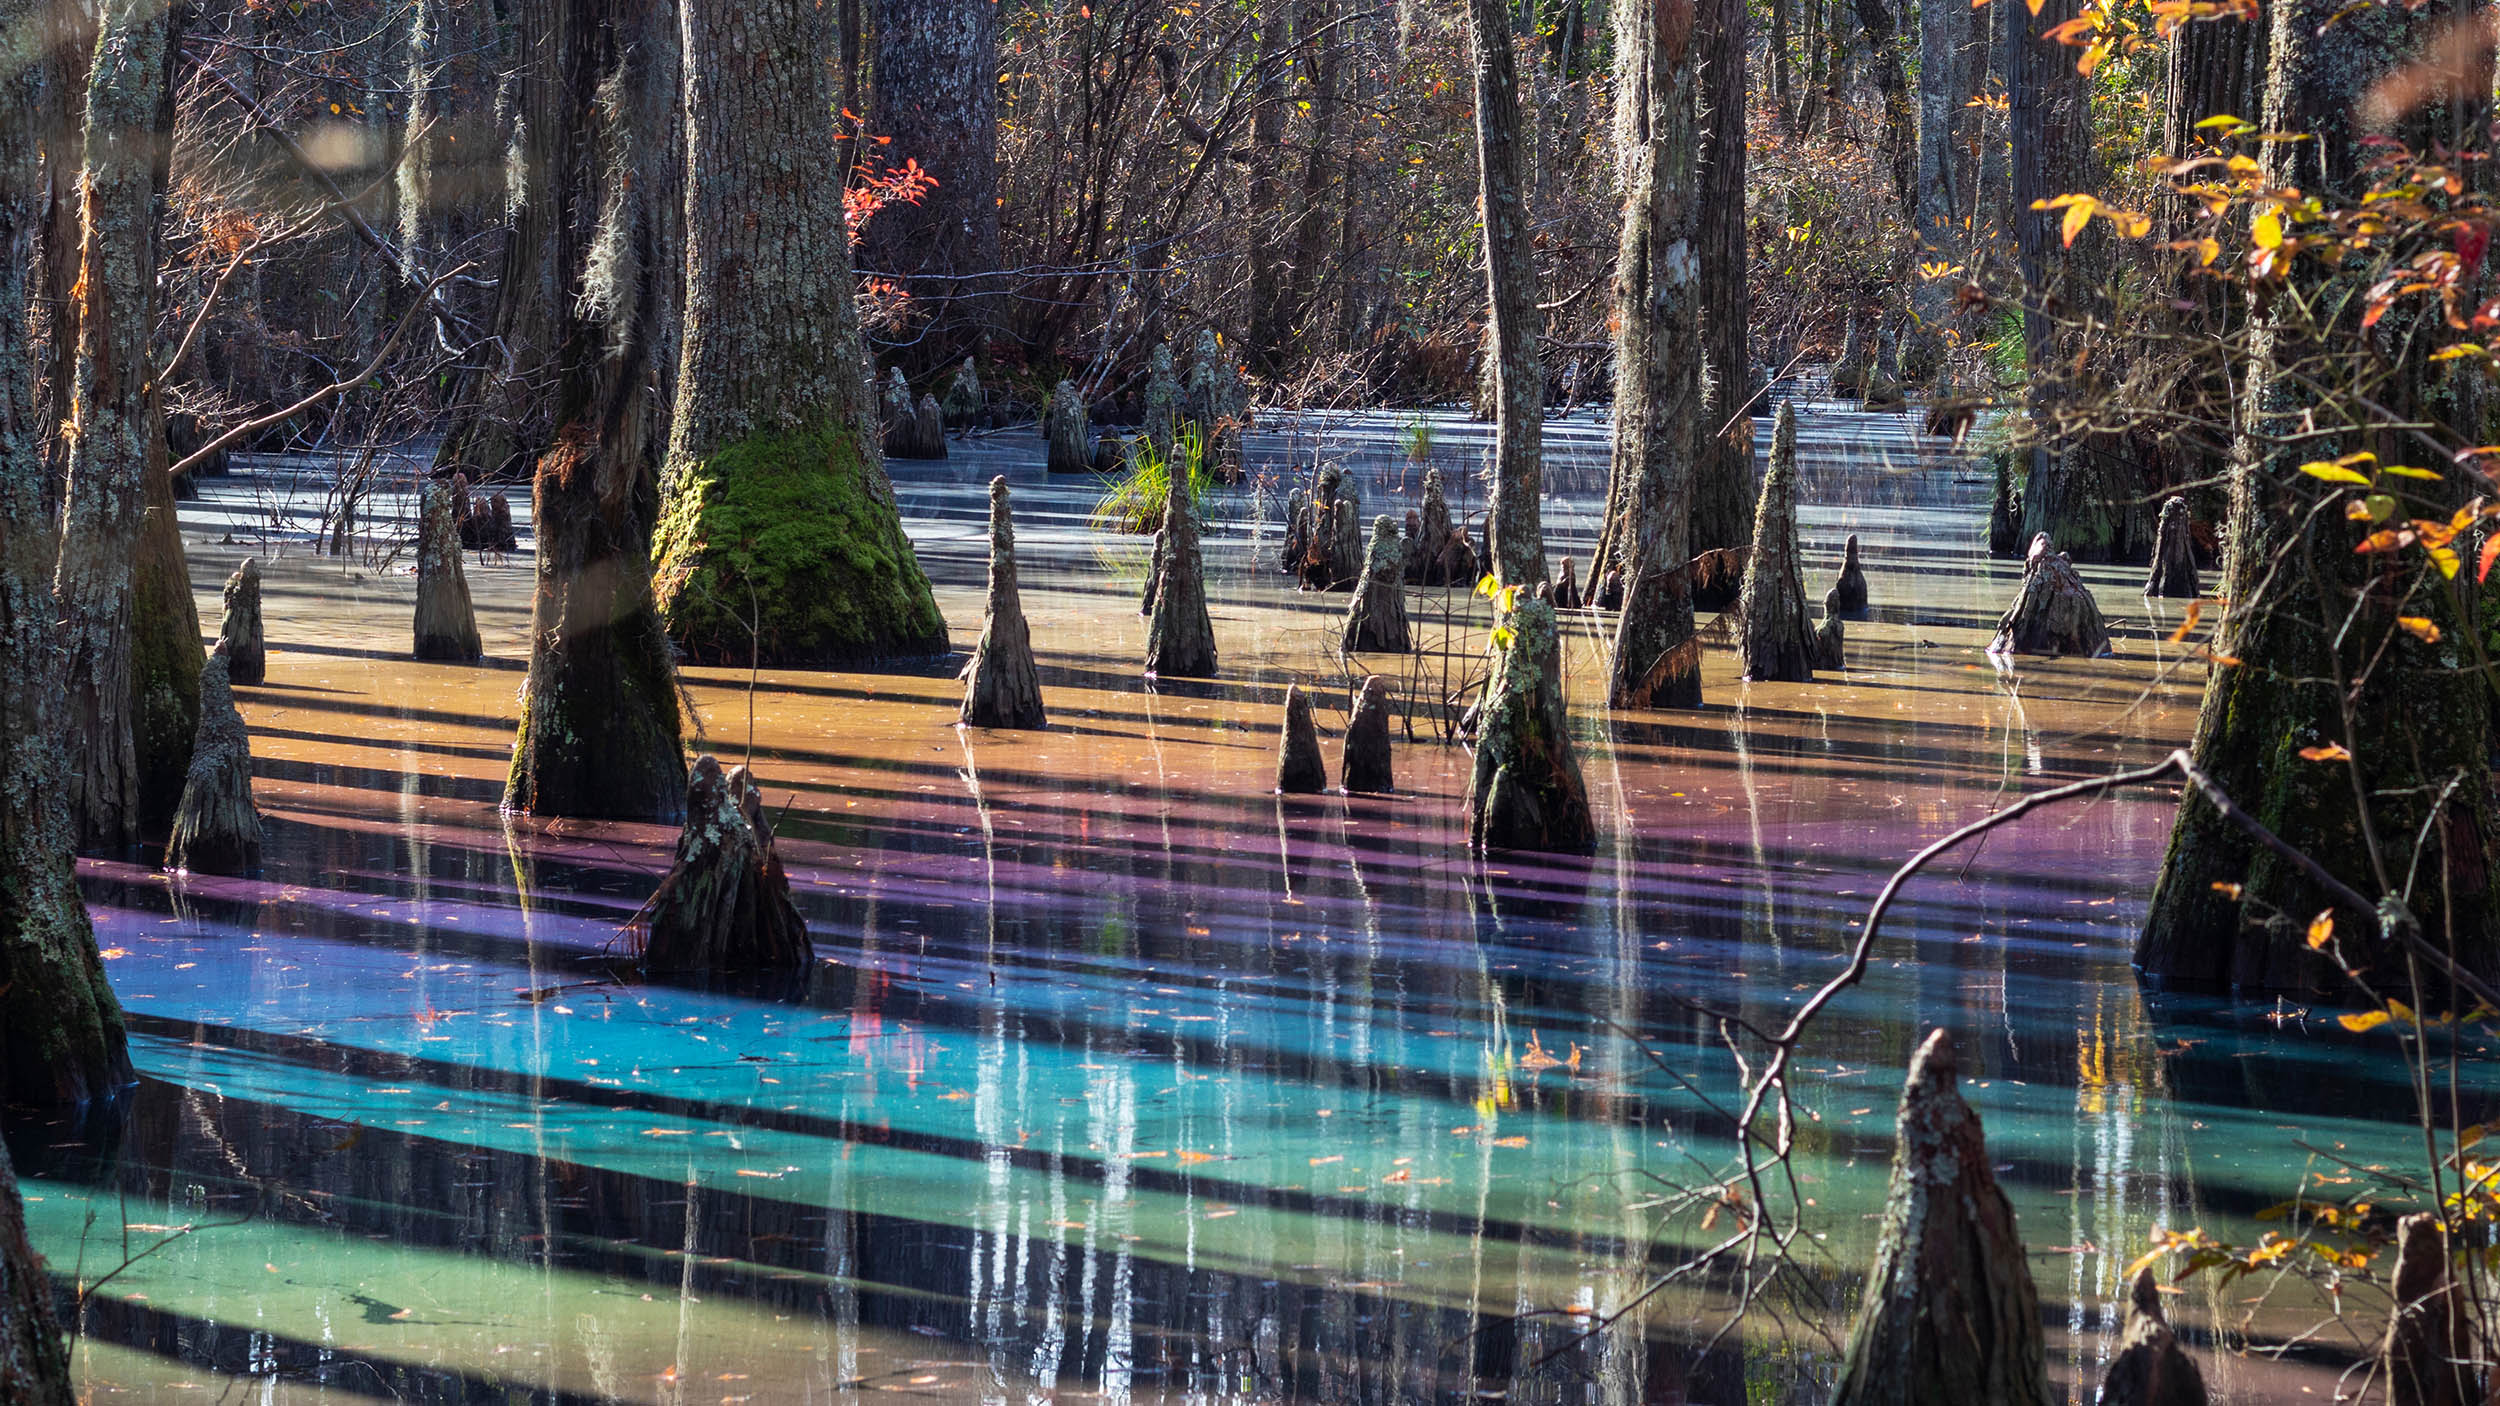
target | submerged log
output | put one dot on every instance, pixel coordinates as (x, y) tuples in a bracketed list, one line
[(1950, 1313), (1375, 619), (1300, 771), (1363, 763), (2430, 1347), (966, 405), (216, 826), (2150, 1369), (1828, 651), (2174, 554), (2054, 612), (1851, 587), (1566, 592), (1063, 423), (1002, 686), (1180, 639), (1775, 642), (1526, 792), (239, 633), (446, 626), (725, 904)]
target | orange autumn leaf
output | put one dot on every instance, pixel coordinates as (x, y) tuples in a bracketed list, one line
[(2331, 752)]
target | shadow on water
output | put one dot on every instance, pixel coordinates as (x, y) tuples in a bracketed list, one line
[(1127, 1077)]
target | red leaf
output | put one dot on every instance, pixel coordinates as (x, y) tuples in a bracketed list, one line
[(2491, 552), (2471, 241)]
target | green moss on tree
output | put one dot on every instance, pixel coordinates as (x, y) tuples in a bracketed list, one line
[(797, 537)]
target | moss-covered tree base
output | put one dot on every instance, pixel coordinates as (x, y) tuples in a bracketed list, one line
[(166, 659), (791, 545)]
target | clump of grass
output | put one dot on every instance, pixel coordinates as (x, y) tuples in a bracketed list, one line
[(1134, 501)]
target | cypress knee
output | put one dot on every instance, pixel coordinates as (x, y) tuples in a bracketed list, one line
[(2174, 554), (1297, 531), (1849, 592), (247, 652), (1610, 589), (1163, 401), (1345, 540), (2150, 1368), (446, 621), (1433, 538), (928, 437), (1064, 425), (965, 405), (1950, 1313), (1775, 642), (896, 417), (2005, 508), (1003, 688), (1180, 639), (2430, 1347), (1827, 636), (499, 534), (1300, 771), (725, 904), (1376, 618), (1566, 594), (216, 826), (2053, 612), (1526, 792), (1363, 762)]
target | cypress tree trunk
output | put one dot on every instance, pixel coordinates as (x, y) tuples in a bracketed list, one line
[(1723, 461), (724, 905), (1525, 791), (1942, 198), (1510, 273), (599, 725), (2313, 624), (103, 509), (166, 656), (1883, 41), (1658, 317), (61, 1038), (780, 520), (34, 1361), (936, 95)]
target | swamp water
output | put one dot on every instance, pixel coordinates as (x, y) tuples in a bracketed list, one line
[(1134, 1080)]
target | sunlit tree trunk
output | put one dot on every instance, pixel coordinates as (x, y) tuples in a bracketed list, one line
[(780, 537), (2313, 623), (1723, 486), (1326, 172), (934, 78), (1510, 273), (599, 720), (1658, 317), (61, 1038), (1942, 197), (1271, 305), (1884, 42)]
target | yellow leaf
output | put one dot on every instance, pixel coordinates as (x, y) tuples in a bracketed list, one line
[(2331, 752), (2321, 930), (1488, 585), (2268, 230), (2142, 1262), (2359, 1021), (2333, 473), (2408, 471), (2208, 250), (2220, 120), (2445, 558), (1507, 600), (2421, 627), (2078, 215)]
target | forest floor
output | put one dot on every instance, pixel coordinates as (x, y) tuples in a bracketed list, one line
[(1136, 1067)]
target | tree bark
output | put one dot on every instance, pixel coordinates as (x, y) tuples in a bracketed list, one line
[(165, 653), (1723, 460), (1950, 1312), (935, 94), (34, 1359), (1942, 192), (240, 630), (1883, 41), (1375, 620), (2174, 554), (2054, 612), (2312, 624), (2430, 1350), (781, 537), (1510, 273), (1658, 384), (599, 722), (1525, 791), (61, 1037), (104, 503), (2150, 1369)]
